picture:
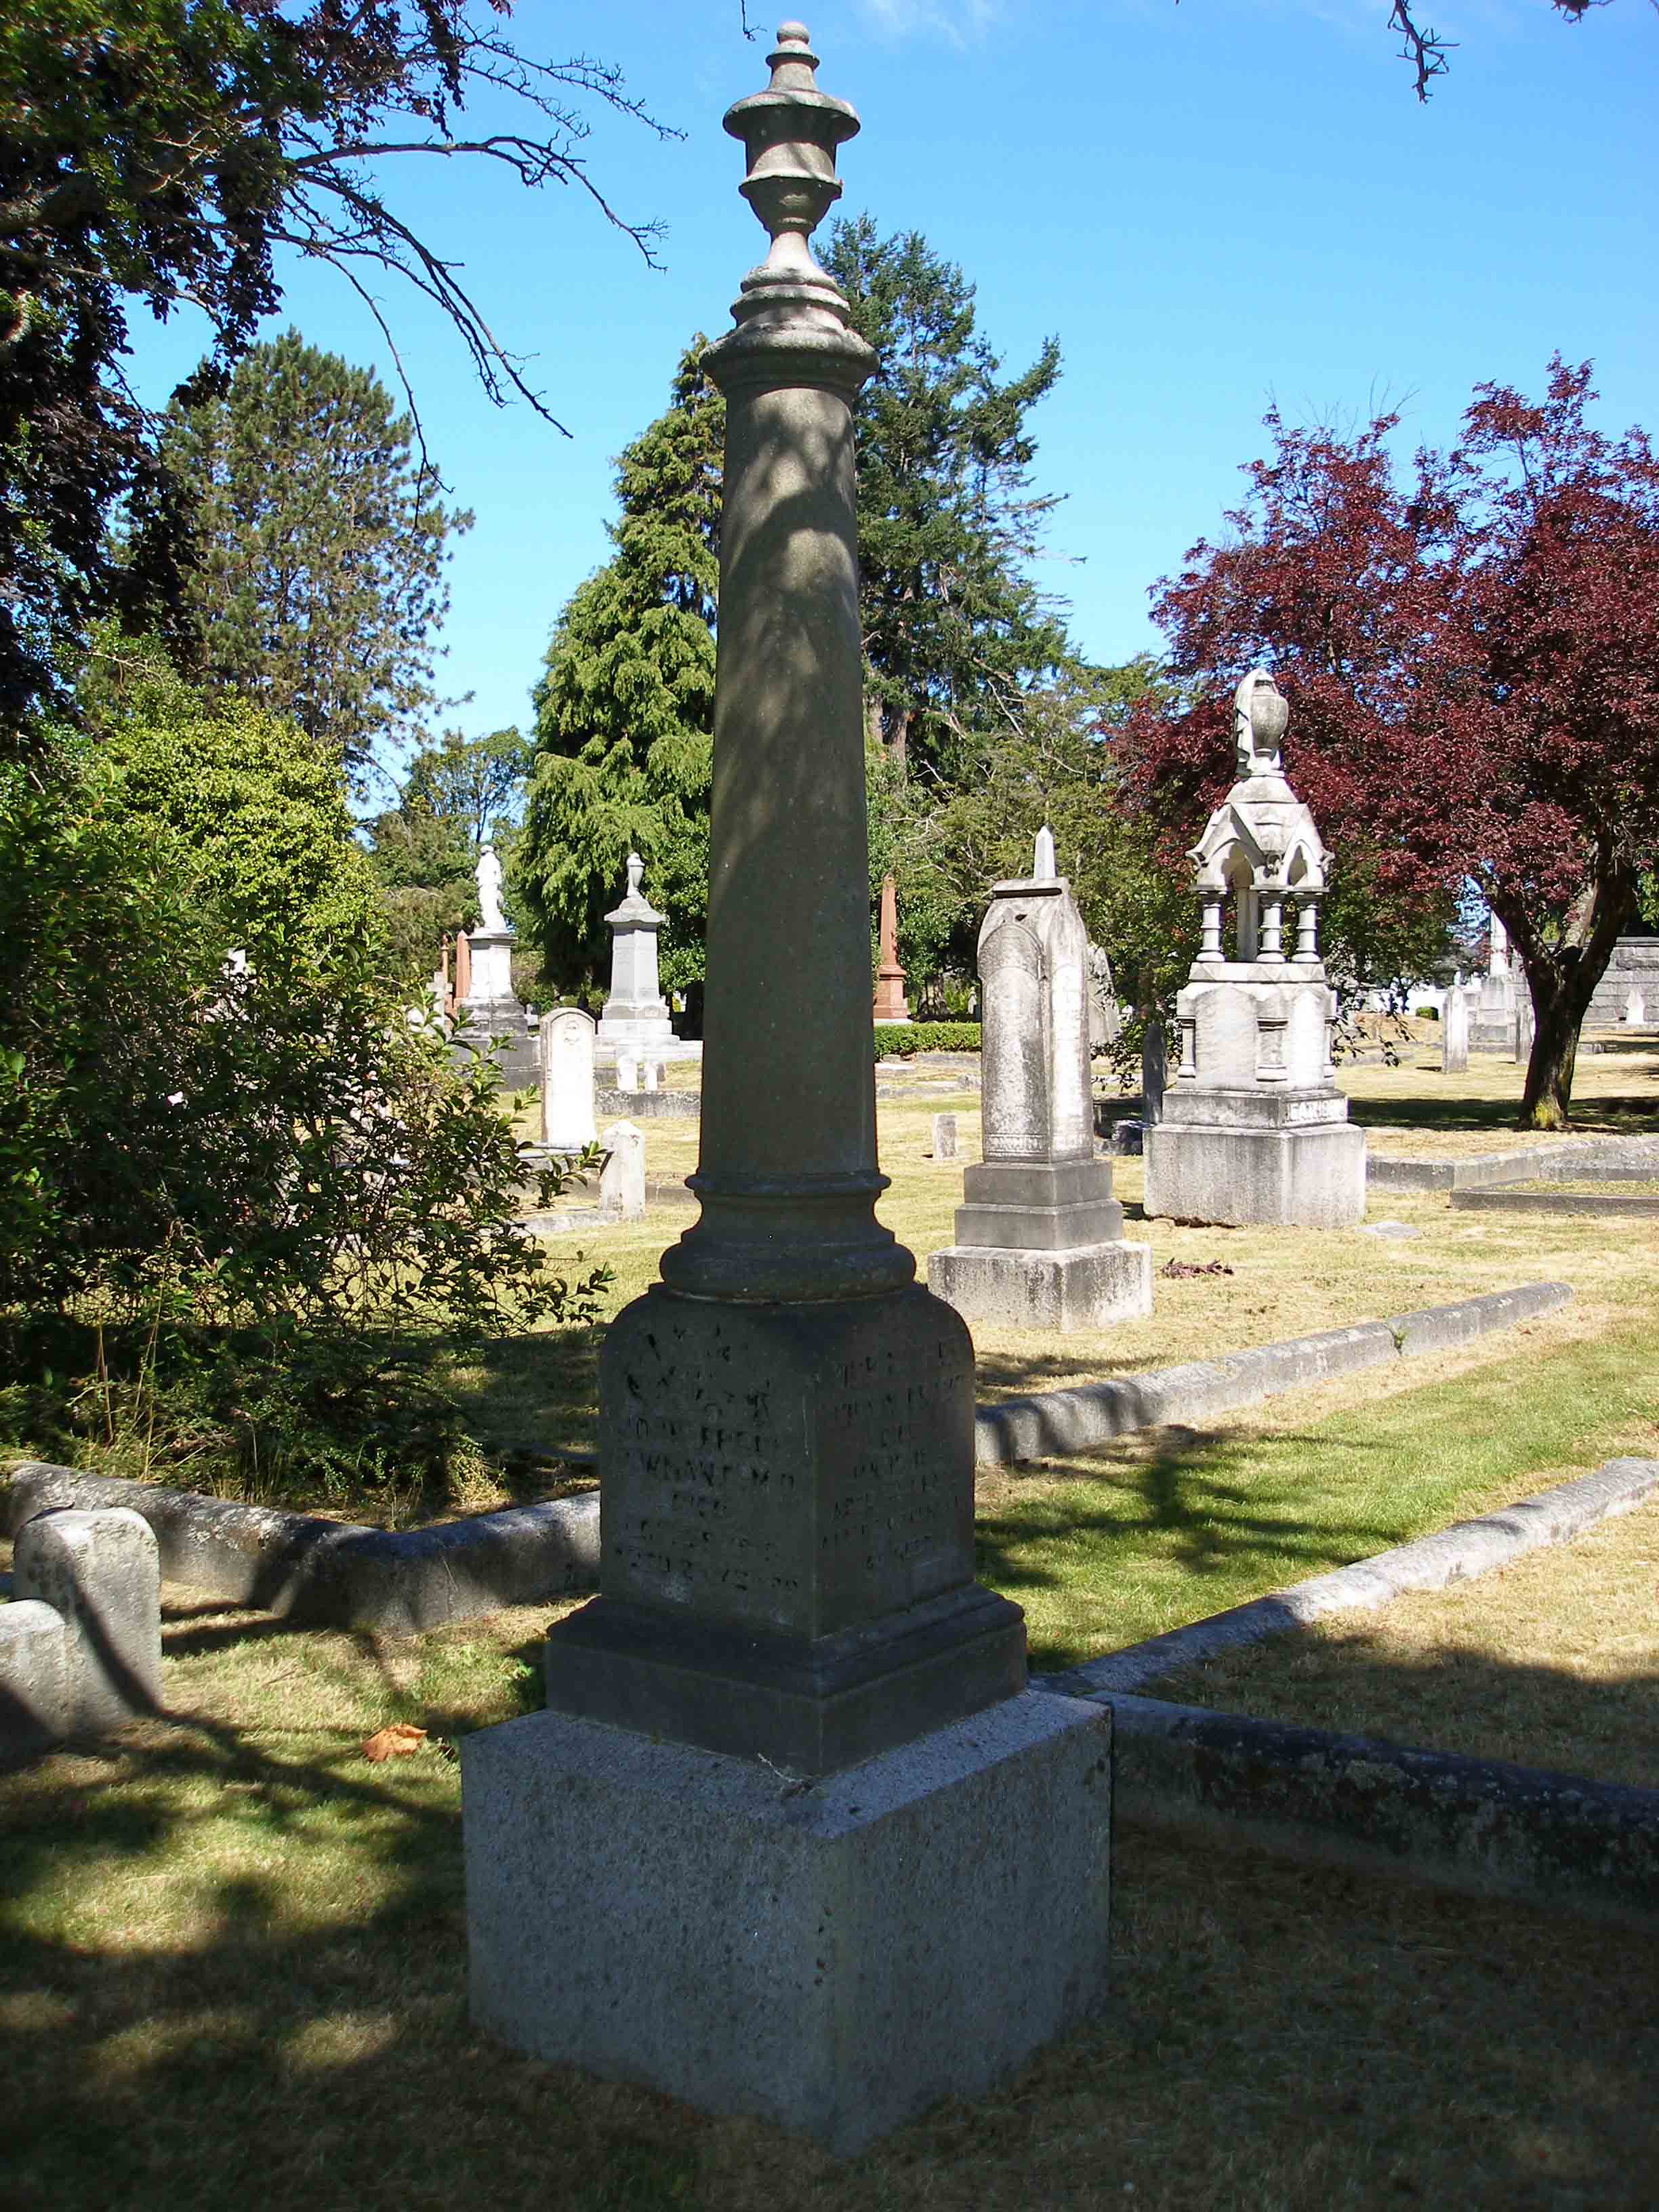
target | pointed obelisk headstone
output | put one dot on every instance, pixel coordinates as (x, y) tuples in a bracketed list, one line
[(891, 1003), (1039, 1241), (787, 1899)]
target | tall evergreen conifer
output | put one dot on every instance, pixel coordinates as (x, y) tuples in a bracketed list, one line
[(947, 519), (625, 708), (316, 585)]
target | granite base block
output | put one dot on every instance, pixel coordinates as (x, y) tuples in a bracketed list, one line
[(1305, 1178), (832, 1955), (1090, 1286)]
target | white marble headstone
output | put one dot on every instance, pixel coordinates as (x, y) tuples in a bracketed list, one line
[(622, 1179), (567, 1072)]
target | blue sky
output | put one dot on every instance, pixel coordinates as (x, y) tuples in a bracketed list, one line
[(1214, 204)]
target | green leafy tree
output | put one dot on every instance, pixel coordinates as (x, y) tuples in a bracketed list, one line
[(256, 819), (247, 1215), (316, 581), (625, 708), (477, 783), (948, 521), (153, 151), (1050, 761)]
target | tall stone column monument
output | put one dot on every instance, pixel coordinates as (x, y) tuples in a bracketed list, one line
[(1254, 1128), (891, 1003), (791, 1791), (635, 1024)]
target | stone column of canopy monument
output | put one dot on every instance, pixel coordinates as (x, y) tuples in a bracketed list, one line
[(1254, 1128), (1040, 1241), (781, 1809), (487, 1006), (635, 1024)]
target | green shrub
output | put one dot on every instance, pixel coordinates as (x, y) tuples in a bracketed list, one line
[(900, 1039), (246, 1217)]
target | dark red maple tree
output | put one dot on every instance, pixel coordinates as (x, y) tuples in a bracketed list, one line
[(1472, 659)]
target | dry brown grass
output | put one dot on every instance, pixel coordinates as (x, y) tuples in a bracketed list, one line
[(234, 1969), (1553, 1663)]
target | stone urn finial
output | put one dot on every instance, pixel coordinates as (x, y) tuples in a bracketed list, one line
[(790, 133), (635, 871), (1261, 716)]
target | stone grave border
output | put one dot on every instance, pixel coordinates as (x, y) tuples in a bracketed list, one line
[(1594, 1204), (1050, 1424), (1564, 1157), (317, 1572), (1469, 1823)]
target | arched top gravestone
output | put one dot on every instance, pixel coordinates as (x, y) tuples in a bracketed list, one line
[(567, 1074)]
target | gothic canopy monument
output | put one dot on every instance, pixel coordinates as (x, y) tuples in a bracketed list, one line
[(791, 1791), (1254, 1128)]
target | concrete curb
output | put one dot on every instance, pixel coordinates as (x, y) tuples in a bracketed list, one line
[(1456, 1554), (1562, 1156), (1466, 1824), (1633, 1204), (1053, 1422), (335, 1573)]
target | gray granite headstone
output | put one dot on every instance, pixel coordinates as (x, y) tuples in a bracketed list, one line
[(1039, 1241), (622, 1178), (1454, 1032), (1153, 1075)]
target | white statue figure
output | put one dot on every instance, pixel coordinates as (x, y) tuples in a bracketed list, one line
[(490, 890)]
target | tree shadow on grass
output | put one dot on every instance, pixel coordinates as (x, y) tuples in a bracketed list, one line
[(1203, 1509), (1633, 1116), (537, 1401), (274, 2007), (1480, 1704), (272, 2035)]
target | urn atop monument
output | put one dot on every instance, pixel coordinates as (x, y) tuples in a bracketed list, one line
[(1261, 841), (1261, 715), (636, 910), (790, 133)]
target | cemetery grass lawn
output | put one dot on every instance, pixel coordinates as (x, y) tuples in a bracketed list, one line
[(1551, 1662), (1168, 1526), (233, 1970), (531, 1397), (1417, 1112)]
